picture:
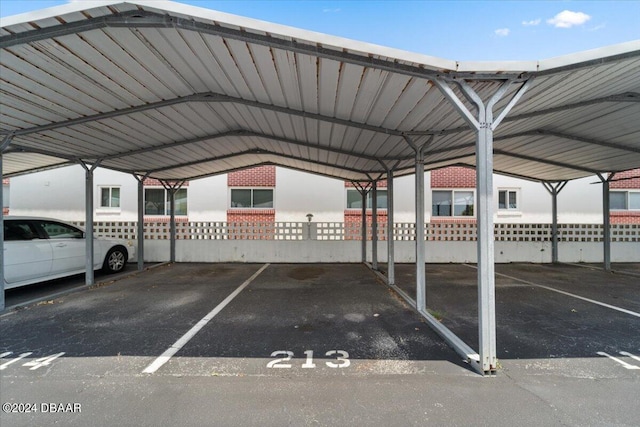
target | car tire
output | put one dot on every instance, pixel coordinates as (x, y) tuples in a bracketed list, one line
[(115, 260)]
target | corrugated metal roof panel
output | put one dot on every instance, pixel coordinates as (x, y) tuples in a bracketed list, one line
[(315, 101)]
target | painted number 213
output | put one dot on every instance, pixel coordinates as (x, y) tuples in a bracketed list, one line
[(342, 359)]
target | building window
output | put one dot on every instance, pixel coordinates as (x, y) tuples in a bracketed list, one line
[(624, 200), (354, 199), (508, 200), (252, 198), (452, 203), (110, 197), (156, 202), (6, 194)]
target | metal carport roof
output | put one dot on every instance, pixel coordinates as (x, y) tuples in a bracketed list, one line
[(180, 92), (176, 92)]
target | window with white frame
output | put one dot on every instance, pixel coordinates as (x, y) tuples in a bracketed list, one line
[(452, 203), (157, 202), (110, 197), (624, 200), (508, 200), (252, 198), (354, 199)]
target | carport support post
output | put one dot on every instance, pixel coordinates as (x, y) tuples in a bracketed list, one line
[(140, 232), (606, 221), (421, 279), (554, 189), (89, 275), (390, 247), (5, 143), (363, 190), (374, 225), (485, 125), (172, 189)]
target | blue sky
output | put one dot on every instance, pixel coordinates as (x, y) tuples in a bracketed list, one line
[(460, 30)]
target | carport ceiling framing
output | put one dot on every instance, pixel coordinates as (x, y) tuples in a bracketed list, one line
[(176, 92), (322, 135)]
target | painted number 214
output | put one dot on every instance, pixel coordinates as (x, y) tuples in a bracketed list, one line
[(342, 359)]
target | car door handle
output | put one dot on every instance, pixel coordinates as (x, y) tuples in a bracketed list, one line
[(61, 245)]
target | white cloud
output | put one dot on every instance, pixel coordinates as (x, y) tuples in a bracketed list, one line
[(331, 10), (568, 19), (502, 32), (531, 23)]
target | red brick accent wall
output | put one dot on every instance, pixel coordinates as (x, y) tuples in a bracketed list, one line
[(242, 220), (261, 176), (453, 177), (450, 220), (381, 184), (624, 217), (150, 182), (251, 215), (633, 183), (353, 223)]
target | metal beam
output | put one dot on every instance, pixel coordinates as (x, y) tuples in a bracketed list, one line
[(257, 151), (244, 133), (213, 97), (622, 97), (145, 19), (545, 161), (588, 140)]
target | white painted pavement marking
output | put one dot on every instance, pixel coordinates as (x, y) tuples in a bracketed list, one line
[(22, 356), (613, 307), (626, 353), (43, 361), (6, 353), (622, 362), (168, 354)]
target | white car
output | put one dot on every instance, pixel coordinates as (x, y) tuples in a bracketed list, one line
[(39, 249)]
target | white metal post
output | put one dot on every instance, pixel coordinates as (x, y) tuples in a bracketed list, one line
[(554, 190), (485, 248), (363, 192), (484, 125), (5, 143), (606, 222), (421, 282), (140, 233), (89, 274), (374, 226), (391, 274)]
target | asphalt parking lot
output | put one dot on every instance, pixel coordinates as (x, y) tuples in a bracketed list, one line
[(322, 344)]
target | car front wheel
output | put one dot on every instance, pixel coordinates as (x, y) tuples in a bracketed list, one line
[(115, 260)]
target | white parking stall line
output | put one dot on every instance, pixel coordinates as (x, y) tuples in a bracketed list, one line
[(612, 307), (168, 354), (6, 353), (615, 359), (634, 357), (6, 364)]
